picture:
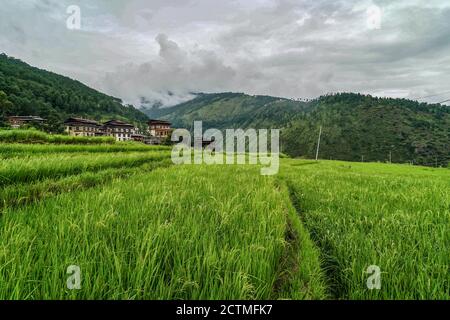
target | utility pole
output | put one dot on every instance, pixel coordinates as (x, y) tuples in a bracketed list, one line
[(362, 158), (390, 156), (318, 144)]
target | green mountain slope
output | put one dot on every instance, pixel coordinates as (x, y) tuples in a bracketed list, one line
[(355, 127), (33, 91), (364, 128), (231, 110)]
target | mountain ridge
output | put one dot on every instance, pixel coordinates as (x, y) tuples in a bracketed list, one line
[(236, 108), (34, 91), (356, 127)]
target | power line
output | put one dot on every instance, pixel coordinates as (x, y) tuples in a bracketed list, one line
[(444, 101), (433, 95)]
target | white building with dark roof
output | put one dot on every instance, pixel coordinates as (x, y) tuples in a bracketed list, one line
[(120, 130), (83, 127)]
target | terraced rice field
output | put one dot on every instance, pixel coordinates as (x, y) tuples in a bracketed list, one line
[(139, 227), (395, 217)]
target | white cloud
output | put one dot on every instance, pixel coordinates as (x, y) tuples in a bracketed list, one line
[(165, 50)]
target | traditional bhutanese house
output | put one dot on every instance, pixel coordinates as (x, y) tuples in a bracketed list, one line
[(18, 121), (120, 130), (83, 127), (159, 128), (138, 137)]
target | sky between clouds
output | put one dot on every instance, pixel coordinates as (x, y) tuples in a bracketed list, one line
[(291, 48)]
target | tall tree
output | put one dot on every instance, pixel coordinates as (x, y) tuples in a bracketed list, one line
[(6, 108)]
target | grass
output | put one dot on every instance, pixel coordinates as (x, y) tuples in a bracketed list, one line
[(27, 193), (36, 136), (222, 239), (140, 228), (27, 150), (300, 275), (27, 170), (394, 216)]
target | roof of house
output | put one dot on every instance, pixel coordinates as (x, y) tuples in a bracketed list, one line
[(153, 121), (117, 123), (27, 118), (82, 121)]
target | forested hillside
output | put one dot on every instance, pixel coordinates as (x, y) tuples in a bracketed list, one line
[(355, 127), (26, 90), (364, 128), (231, 110)]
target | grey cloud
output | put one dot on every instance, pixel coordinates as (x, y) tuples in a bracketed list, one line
[(171, 77), (164, 50)]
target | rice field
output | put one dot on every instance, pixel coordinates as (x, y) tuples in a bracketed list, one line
[(176, 233), (139, 227), (395, 217), (26, 150), (21, 170), (36, 136)]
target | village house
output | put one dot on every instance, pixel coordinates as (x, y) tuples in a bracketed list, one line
[(120, 130), (138, 137), (159, 128), (19, 121), (83, 127)]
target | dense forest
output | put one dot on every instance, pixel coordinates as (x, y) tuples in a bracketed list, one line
[(26, 90), (355, 127), (364, 128)]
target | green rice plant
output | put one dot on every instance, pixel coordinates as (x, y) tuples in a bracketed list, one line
[(300, 274), (17, 150), (396, 217), (27, 170), (22, 194), (36, 136), (220, 231), (186, 232)]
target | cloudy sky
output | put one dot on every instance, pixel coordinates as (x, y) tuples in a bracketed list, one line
[(163, 50)]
